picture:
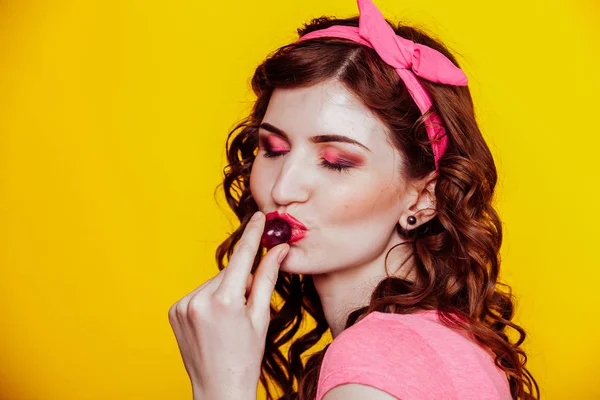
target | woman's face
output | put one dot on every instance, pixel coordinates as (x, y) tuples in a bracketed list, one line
[(347, 191)]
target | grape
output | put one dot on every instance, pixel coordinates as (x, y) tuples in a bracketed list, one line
[(276, 231)]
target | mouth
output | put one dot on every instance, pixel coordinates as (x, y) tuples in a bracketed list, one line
[(298, 228)]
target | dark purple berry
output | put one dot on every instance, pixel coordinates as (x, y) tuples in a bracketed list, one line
[(276, 231)]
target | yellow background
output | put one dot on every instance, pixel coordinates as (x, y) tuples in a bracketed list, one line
[(113, 117)]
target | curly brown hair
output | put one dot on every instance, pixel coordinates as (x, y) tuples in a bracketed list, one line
[(456, 253)]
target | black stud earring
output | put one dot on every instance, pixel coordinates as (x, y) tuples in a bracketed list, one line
[(412, 220)]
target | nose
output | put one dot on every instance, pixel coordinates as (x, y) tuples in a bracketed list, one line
[(293, 180)]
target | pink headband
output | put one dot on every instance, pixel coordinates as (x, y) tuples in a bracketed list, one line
[(408, 59)]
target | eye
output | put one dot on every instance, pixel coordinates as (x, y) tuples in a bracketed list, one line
[(338, 166), (333, 159), (273, 146), (273, 154)]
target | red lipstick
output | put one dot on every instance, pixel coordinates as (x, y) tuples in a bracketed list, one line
[(298, 228)]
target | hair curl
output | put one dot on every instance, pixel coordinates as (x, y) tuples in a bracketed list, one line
[(456, 253)]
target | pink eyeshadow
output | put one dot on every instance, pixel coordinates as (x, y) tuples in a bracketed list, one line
[(335, 156), (277, 144), (331, 155)]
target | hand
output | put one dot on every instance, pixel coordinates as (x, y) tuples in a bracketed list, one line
[(221, 333)]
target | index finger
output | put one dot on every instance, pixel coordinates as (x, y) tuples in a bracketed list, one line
[(236, 273)]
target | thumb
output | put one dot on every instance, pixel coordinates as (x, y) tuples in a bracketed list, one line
[(265, 279)]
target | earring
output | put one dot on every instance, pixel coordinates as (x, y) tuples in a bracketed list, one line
[(412, 220)]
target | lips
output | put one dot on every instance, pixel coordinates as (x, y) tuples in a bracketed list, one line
[(298, 228)]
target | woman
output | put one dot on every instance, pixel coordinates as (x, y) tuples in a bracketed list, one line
[(363, 136)]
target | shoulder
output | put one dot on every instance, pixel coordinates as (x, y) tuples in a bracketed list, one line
[(408, 356), (380, 334), (385, 339), (382, 350)]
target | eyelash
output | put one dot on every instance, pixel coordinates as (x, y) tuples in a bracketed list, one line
[(325, 163)]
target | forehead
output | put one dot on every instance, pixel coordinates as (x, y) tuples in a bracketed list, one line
[(325, 108)]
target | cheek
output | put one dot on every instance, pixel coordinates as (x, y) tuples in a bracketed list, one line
[(375, 196), (362, 203), (260, 182), (254, 183)]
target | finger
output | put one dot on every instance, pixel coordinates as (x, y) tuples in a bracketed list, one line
[(264, 284), (196, 301), (212, 284), (233, 284), (209, 286), (249, 284)]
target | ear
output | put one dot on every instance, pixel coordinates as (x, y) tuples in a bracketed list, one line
[(421, 201)]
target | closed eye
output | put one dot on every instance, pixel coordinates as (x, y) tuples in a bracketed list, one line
[(339, 167)]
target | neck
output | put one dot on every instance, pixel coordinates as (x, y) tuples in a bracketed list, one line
[(343, 291)]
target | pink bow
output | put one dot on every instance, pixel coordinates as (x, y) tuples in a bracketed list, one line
[(399, 52), (408, 59)]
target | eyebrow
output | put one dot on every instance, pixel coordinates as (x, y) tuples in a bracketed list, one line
[(314, 139)]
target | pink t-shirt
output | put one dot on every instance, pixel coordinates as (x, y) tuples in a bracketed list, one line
[(412, 357)]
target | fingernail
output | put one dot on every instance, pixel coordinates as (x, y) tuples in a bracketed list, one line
[(282, 254), (256, 216)]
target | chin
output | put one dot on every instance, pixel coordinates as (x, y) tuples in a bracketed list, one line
[(296, 262)]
